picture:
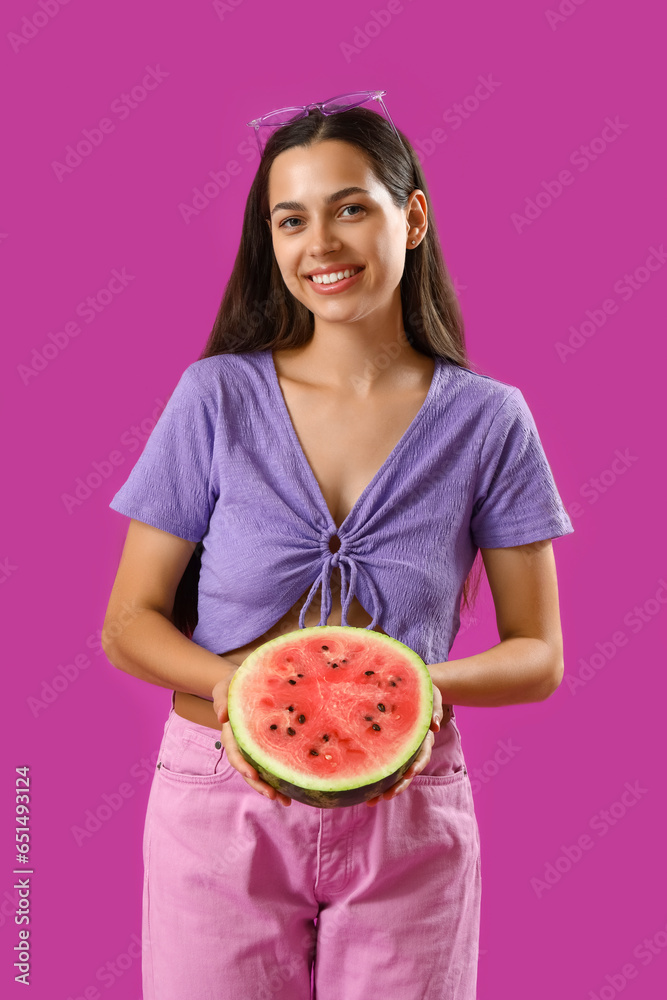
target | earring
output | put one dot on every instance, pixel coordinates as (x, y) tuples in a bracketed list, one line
[(414, 241)]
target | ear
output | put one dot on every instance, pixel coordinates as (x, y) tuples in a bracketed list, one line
[(418, 212)]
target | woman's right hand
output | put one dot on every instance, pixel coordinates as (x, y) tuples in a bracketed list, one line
[(246, 770), (234, 755)]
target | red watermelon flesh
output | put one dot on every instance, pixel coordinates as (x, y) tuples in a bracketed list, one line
[(331, 715)]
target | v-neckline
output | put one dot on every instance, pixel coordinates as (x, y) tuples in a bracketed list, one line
[(287, 420)]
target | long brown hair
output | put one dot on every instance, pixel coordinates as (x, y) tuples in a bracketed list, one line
[(258, 312)]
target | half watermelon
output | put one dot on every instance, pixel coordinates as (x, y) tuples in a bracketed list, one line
[(331, 715)]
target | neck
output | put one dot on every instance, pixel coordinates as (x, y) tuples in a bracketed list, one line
[(360, 358)]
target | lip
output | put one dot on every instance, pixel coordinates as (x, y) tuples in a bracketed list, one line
[(340, 286)]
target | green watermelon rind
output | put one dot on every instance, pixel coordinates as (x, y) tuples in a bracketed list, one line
[(337, 794)]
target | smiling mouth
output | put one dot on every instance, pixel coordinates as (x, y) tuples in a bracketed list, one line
[(334, 277)]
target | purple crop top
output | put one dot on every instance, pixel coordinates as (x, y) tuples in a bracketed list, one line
[(224, 465)]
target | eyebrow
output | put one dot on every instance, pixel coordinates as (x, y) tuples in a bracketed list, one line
[(296, 206)]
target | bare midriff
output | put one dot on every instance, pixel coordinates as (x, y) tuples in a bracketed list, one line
[(196, 709)]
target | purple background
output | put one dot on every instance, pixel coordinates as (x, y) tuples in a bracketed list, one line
[(525, 288)]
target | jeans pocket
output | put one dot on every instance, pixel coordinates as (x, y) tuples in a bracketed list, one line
[(192, 756), (459, 774)]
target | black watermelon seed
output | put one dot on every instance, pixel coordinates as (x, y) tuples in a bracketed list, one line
[(302, 718), (325, 647), (274, 726), (368, 718), (290, 731), (334, 664), (326, 737), (290, 708), (369, 672), (343, 661), (314, 753), (291, 681), (381, 707), (375, 726), (393, 683), (299, 675)]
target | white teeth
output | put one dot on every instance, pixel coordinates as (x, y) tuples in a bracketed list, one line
[(331, 279)]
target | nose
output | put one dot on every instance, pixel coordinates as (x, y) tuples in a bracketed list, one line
[(322, 239)]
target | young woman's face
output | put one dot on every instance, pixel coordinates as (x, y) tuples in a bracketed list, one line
[(357, 229)]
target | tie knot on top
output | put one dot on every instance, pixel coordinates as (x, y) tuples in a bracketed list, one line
[(348, 570)]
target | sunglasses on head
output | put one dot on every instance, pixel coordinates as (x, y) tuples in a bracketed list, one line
[(285, 116)]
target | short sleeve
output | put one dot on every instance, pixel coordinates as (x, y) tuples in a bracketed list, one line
[(516, 500), (171, 485)]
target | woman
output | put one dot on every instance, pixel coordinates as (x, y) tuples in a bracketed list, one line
[(331, 437)]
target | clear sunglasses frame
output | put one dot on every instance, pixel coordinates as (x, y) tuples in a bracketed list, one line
[(285, 116)]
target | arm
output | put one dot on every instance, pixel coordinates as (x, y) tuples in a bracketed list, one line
[(138, 635), (527, 664)]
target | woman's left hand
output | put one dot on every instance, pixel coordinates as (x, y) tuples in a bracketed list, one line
[(424, 755)]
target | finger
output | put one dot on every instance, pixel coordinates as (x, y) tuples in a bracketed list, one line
[(437, 710), (251, 775), (424, 754), (395, 790), (383, 795), (252, 778), (220, 709), (415, 768), (418, 765), (246, 770), (421, 760)]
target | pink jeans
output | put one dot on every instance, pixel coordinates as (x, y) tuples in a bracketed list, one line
[(246, 899)]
